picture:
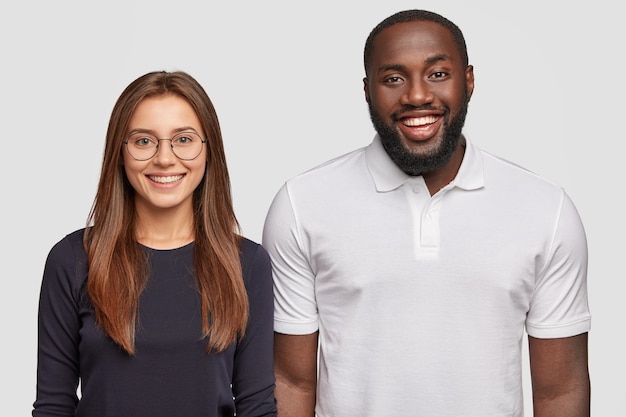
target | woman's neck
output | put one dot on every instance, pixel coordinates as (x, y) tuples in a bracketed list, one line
[(165, 228)]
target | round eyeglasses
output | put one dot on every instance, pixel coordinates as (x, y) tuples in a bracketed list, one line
[(185, 145)]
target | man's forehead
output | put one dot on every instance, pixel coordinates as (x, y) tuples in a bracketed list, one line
[(424, 38)]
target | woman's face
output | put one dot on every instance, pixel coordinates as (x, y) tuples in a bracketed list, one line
[(164, 181)]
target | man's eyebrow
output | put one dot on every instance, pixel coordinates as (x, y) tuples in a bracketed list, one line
[(437, 58), (391, 67), (429, 61)]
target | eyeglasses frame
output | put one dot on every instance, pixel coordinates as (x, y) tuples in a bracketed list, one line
[(156, 148)]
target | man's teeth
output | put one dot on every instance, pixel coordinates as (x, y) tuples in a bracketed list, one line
[(419, 121), (166, 180)]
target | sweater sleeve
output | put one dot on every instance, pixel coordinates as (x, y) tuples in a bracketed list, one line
[(253, 372), (58, 335)]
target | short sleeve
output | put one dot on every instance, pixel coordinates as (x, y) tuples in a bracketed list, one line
[(295, 309), (559, 307)]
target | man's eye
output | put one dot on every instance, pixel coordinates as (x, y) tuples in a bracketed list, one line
[(438, 74), (393, 80)]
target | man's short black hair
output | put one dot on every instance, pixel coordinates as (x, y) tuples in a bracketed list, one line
[(415, 16)]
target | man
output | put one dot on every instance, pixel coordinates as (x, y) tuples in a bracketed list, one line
[(413, 265)]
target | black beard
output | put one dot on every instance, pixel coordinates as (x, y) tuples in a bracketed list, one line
[(412, 164)]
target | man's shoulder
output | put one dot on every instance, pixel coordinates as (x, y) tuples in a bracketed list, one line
[(504, 168), (321, 187), (332, 169)]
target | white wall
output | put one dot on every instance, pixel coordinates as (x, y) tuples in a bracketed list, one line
[(285, 78)]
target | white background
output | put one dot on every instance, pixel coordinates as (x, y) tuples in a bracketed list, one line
[(285, 78)]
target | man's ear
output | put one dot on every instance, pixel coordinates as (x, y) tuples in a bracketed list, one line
[(469, 81), (366, 89)]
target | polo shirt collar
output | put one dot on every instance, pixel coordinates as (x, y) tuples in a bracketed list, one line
[(387, 176)]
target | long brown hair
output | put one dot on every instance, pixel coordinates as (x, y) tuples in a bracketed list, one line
[(118, 267)]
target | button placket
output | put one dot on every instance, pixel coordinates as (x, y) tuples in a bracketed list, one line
[(430, 224)]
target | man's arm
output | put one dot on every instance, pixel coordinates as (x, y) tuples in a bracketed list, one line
[(295, 367), (560, 376)]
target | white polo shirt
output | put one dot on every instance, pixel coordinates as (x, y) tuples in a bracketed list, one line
[(420, 301)]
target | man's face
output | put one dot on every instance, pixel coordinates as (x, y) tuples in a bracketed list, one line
[(418, 89)]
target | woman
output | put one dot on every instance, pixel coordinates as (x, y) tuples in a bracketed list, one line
[(160, 307)]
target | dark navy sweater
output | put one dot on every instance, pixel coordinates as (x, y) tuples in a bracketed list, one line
[(171, 374)]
